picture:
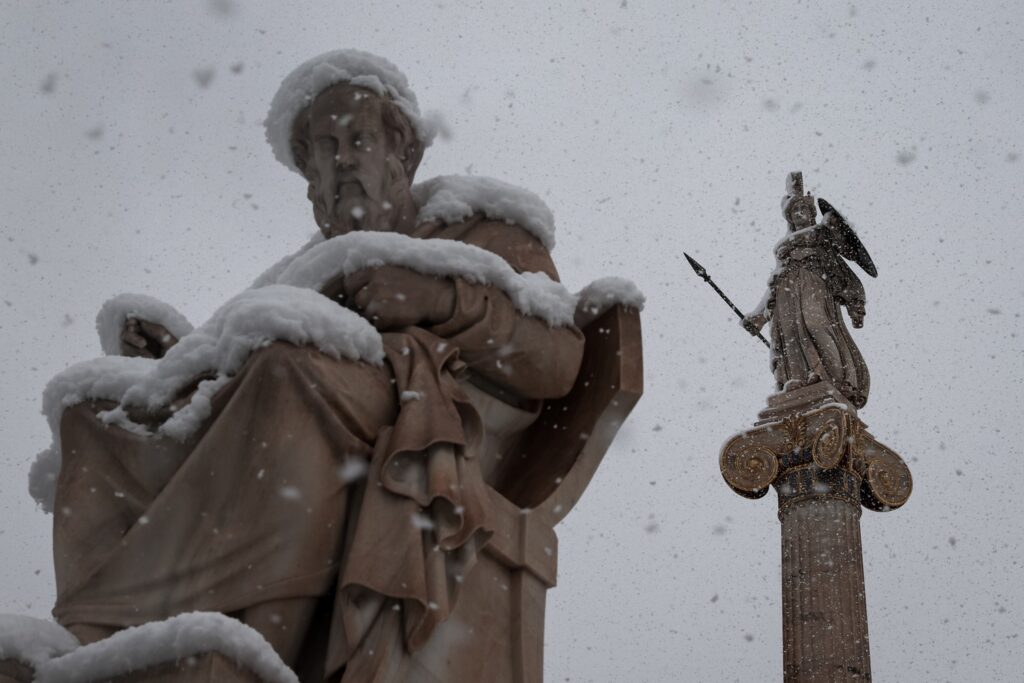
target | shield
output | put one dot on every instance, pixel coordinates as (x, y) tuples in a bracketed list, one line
[(846, 240)]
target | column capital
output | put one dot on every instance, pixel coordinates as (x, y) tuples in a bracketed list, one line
[(807, 444)]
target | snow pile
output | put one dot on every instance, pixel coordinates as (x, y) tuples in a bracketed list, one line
[(251, 320), (602, 294), (33, 641), (101, 378), (361, 69), (113, 314), (177, 638), (532, 293), (454, 198)]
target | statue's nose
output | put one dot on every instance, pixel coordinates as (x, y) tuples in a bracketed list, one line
[(345, 161)]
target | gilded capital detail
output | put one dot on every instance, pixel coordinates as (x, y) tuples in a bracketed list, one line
[(830, 441)]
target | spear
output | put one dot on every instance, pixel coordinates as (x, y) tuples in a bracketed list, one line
[(699, 269)]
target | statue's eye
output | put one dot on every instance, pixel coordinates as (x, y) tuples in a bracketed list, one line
[(362, 140)]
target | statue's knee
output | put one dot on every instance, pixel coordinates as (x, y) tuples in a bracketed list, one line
[(80, 419), (279, 361)]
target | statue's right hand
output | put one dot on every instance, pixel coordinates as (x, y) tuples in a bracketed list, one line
[(753, 323), (145, 339)]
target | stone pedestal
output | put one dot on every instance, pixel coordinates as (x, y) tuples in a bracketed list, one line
[(824, 464)]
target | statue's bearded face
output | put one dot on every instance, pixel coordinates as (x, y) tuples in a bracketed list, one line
[(348, 154)]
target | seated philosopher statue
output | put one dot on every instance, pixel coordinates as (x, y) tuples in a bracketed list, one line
[(320, 482)]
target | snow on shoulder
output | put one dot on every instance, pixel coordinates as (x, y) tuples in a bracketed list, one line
[(534, 294), (602, 294), (160, 642), (452, 198), (361, 69), (113, 314), (33, 641)]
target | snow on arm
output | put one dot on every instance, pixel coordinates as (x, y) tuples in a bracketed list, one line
[(454, 198), (246, 323), (533, 294), (601, 295), (254, 319), (113, 314), (160, 642), (33, 641)]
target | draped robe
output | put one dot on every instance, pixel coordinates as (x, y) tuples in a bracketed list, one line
[(314, 477), (810, 341)]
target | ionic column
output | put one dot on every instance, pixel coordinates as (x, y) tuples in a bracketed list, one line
[(824, 466)]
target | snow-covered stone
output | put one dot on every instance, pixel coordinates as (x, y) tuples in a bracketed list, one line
[(533, 294), (604, 293), (314, 76), (253, 319), (113, 314), (33, 641), (159, 642), (452, 198)]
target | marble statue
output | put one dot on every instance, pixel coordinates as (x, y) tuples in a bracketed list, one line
[(811, 282), (337, 494)]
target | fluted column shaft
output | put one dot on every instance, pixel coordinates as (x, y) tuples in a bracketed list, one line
[(824, 611)]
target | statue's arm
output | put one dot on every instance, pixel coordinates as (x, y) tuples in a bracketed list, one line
[(520, 353)]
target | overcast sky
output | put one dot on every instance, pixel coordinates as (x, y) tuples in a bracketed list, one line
[(133, 160)]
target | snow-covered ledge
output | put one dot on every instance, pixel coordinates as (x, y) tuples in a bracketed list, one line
[(161, 642), (601, 295)]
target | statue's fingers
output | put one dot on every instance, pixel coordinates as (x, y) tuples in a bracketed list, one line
[(133, 352), (133, 339), (362, 299), (158, 332), (355, 282)]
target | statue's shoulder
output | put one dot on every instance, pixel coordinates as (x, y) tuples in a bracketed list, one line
[(486, 208)]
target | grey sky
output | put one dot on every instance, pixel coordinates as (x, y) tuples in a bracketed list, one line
[(133, 160)]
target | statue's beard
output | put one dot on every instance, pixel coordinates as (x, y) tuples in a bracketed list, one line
[(356, 204)]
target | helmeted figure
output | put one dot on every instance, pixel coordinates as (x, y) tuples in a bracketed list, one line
[(810, 444), (810, 341)]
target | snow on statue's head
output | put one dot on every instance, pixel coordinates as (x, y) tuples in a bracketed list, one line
[(349, 124)]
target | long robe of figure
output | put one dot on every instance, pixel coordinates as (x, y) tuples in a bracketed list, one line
[(810, 340)]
